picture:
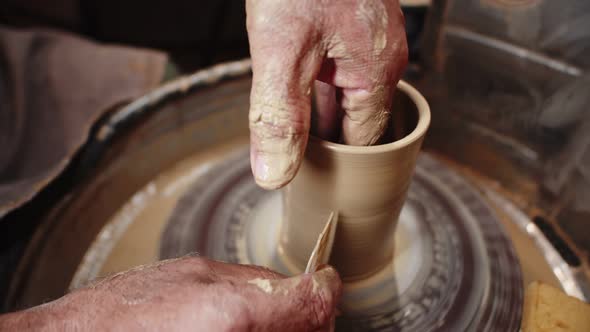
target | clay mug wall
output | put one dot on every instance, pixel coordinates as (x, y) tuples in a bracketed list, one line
[(365, 185)]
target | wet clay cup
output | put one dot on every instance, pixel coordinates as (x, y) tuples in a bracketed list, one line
[(365, 185)]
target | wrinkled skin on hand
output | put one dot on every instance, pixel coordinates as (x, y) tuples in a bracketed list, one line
[(189, 294), (352, 51)]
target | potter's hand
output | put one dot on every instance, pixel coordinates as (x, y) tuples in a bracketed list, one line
[(190, 294), (356, 49)]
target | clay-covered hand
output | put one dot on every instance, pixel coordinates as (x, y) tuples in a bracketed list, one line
[(353, 51), (191, 294)]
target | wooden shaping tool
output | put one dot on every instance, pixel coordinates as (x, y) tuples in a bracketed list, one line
[(320, 254)]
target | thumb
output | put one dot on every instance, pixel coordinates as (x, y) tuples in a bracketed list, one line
[(303, 303), (284, 65)]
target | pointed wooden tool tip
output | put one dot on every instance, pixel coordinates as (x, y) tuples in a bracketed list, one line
[(323, 247)]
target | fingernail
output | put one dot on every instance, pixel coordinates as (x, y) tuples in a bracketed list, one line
[(261, 170), (259, 166), (271, 171)]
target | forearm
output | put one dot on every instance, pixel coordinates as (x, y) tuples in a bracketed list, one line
[(28, 320), (62, 314)]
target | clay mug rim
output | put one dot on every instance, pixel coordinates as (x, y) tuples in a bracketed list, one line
[(417, 133)]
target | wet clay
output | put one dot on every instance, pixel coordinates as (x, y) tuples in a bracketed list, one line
[(131, 236), (366, 185), (374, 15)]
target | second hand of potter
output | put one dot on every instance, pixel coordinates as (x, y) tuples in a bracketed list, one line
[(323, 247)]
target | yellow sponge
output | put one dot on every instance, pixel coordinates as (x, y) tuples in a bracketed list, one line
[(547, 309)]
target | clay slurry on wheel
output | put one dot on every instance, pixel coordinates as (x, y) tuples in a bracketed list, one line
[(453, 268)]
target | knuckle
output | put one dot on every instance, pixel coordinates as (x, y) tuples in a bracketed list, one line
[(277, 119)]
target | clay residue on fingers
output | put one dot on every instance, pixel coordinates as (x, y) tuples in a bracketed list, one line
[(263, 284), (326, 279), (275, 154), (277, 133), (276, 286), (373, 14), (367, 114), (336, 48), (314, 285)]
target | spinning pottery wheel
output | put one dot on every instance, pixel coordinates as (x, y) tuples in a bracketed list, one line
[(453, 269), (170, 175)]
